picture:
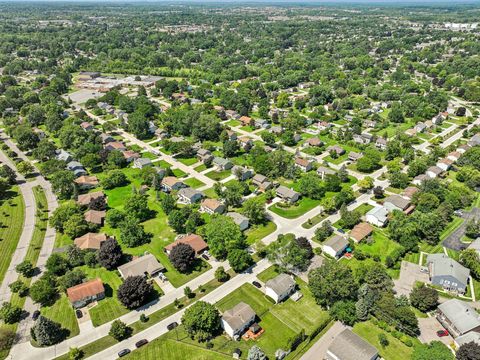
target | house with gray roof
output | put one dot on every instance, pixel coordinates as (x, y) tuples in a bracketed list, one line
[(240, 220), (287, 194), (141, 163), (222, 164), (242, 173), (189, 195), (335, 246), (349, 346), (141, 266), (471, 336), (77, 168), (458, 317), (475, 245), (377, 216), (63, 155), (447, 273), (323, 171), (236, 320), (396, 202), (280, 287)]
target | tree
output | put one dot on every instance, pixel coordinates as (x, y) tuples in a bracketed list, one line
[(345, 312), (230, 148), (10, 313), (134, 291), (365, 184), (332, 282), (75, 226), (19, 287), (62, 184), (222, 235), (254, 210), (25, 168), (239, 260), (63, 213), (47, 332), (378, 192), (382, 339), (221, 275), (25, 268), (182, 257), (168, 203), (136, 206), (110, 254), (396, 113), (435, 350), (201, 320), (324, 231), (305, 244), (114, 178), (75, 255), (7, 337), (26, 138), (311, 185), (71, 278), (468, 351), (119, 330), (75, 354), (57, 264), (288, 254), (233, 194), (43, 292), (470, 259), (114, 218), (424, 298), (255, 353), (132, 233)]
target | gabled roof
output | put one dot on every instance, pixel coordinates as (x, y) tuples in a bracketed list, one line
[(85, 199), (280, 284), (442, 265), (194, 240), (141, 265), (212, 204), (95, 216), (87, 289), (349, 346), (361, 231), (397, 201), (189, 192), (238, 316), (90, 241), (379, 212), (337, 243), (460, 314)]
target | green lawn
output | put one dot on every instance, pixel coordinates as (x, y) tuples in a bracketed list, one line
[(63, 313), (364, 208), (218, 175), (381, 245), (313, 221), (200, 168), (188, 161), (257, 232), (233, 123), (298, 209), (12, 212), (179, 173), (268, 274), (194, 183)]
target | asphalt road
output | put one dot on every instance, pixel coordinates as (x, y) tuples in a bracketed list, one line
[(453, 241)]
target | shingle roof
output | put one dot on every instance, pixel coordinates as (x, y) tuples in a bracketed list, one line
[(238, 316), (460, 314), (87, 289), (337, 243), (195, 241), (442, 265), (141, 265), (280, 284), (349, 346), (361, 231), (90, 241)]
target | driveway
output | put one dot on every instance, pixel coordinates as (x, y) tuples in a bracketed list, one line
[(409, 274), (428, 331), (453, 241), (319, 349)]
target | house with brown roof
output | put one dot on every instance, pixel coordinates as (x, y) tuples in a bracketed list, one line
[(336, 148), (445, 164), (247, 121), (86, 126), (115, 145), (195, 241), (95, 216), (86, 182), (396, 202), (171, 183), (315, 142), (409, 192), (303, 164), (261, 182), (82, 294), (85, 199), (90, 241), (212, 206), (245, 142), (354, 156), (361, 231), (130, 155), (141, 266)]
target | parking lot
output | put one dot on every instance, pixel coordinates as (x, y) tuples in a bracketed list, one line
[(409, 274)]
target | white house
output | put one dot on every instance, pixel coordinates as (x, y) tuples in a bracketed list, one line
[(377, 216), (280, 287), (236, 321), (335, 246)]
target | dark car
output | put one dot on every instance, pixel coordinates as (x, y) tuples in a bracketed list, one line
[(123, 352), (442, 333), (256, 284), (205, 256), (36, 314), (79, 314), (140, 343), (172, 326)]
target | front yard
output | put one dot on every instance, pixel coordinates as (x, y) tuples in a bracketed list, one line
[(295, 210)]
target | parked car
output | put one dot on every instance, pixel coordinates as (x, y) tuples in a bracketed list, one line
[(172, 326), (256, 284), (36, 314), (79, 314), (442, 333), (123, 352), (341, 231), (205, 256), (140, 343)]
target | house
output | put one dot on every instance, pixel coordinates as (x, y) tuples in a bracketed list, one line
[(475, 140), (232, 114), (381, 143), (245, 143), (115, 145), (458, 317), (106, 138), (195, 241), (370, 123), (95, 216), (141, 266), (354, 156), (90, 241), (82, 294), (438, 120), (316, 262), (336, 148), (212, 206), (141, 163), (262, 123), (86, 126), (377, 216), (417, 180), (240, 220), (152, 127), (361, 231), (86, 182), (409, 192), (85, 199), (63, 155), (445, 164), (171, 183), (447, 273), (349, 346), (280, 287), (188, 195), (411, 132), (231, 135), (88, 75), (396, 202), (434, 171), (204, 155), (463, 148), (287, 194), (77, 168), (130, 155), (335, 246), (429, 124), (242, 173), (277, 130), (420, 127), (314, 142), (303, 164), (236, 321), (323, 125), (323, 171), (261, 182), (247, 121), (364, 138), (454, 156), (471, 336), (222, 164)]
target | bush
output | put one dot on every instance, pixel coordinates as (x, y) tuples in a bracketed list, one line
[(120, 331)]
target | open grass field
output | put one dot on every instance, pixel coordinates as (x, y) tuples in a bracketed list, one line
[(12, 213), (62, 312), (296, 210), (257, 232)]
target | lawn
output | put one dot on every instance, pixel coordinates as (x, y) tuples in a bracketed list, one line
[(218, 175), (293, 211), (313, 221), (268, 274), (381, 245), (194, 183), (188, 161), (12, 212), (396, 350), (257, 232), (179, 173), (62, 312), (364, 208), (201, 168)]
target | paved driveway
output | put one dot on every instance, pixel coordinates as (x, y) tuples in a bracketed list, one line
[(409, 274), (428, 331), (319, 349), (452, 241)]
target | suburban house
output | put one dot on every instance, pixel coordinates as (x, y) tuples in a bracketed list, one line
[(277, 130), (141, 163), (434, 171), (261, 182), (86, 126), (95, 216), (361, 231), (316, 262), (242, 173), (130, 155), (315, 142), (287, 194), (90, 241), (232, 135), (336, 148), (417, 180), (222, 164), (454, 156), (409, 192), (381, 143), (471, 336), (82, 294), (77, 168), (303, 164), (204, 155), (85, 199), (247, 121), (236, 321), (245, 143), (212, 206), (85, 182), (447, 273), (475, 140), (420, 127), (354, 156), (323, 171), (463, 148), (349, 346), (240, 220), (189, 195), (335, 246), (171, 183), (458, 317), (377, 216), (475, 245), (364, 138), (445, 164), (141, 266), (411, 132), (195, 241), (115, 145), (396, 202), (280, 287), (63, 155), (106, 138), (262, 123)]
